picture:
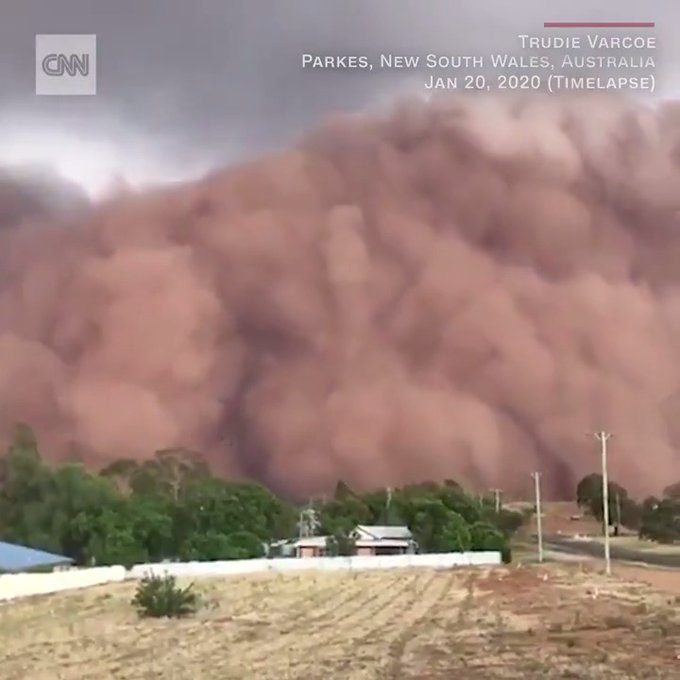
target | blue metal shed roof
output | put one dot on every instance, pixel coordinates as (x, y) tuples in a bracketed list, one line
[(19, 558)]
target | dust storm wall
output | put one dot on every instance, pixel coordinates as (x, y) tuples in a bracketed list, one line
[(462, 288)]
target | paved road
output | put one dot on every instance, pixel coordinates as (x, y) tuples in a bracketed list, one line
[(570, 546)]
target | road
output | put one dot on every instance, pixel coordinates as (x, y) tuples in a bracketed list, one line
[(575, 547)]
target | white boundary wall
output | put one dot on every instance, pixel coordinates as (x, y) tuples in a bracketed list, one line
[(293, 564), (22, 585)]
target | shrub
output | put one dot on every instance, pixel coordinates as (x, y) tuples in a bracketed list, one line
[(487, 537), (160, 596)]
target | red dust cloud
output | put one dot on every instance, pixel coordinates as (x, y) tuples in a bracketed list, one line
[(462, 289)]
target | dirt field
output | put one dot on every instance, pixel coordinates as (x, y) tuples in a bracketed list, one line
[(556, 621)]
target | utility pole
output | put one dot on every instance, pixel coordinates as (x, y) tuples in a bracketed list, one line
[(539, 523), (497, 495), (602, 437)]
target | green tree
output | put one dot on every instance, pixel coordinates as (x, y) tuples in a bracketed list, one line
[(244, 545), (213, 507), (75, 491), (486, 536), (382, 508), (26, 488), (454, 499), (340, 545), (589, 497), (589, 491), (660, 520), (341, 516), (455, 535), (435, 527), (507, 522), (167, 473)]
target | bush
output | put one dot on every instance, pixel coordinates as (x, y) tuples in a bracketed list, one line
[(160, 596), (487, 537), (507, 521)]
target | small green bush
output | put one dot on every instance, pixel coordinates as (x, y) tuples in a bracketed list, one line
[(160, 596)]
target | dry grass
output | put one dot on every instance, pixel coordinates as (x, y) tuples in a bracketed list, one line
[(557, 621)]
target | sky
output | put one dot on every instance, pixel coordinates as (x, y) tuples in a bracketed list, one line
[(186, 86), (383, 275)]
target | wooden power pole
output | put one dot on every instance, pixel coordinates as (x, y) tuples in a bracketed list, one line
[(539, 522), (497, 496), (603, 437)]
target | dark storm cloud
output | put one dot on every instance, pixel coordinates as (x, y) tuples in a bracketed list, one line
[(36, 193), (226, 76)]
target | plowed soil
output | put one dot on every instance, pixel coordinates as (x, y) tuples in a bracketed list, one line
[(552, 621)]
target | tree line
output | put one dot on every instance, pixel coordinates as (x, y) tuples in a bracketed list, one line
[(171, 507), (655, 518)]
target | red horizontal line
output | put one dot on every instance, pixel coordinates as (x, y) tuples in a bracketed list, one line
[(599, 24)]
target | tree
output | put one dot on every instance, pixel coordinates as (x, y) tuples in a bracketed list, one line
[(340, 545), (660, 520), (108, 539), (589, 491), (382, 509), (672, 491), (170, 507), (454, 499), (244, 545), (589, 497), (341, 516), (485, 536), (507, 522), (27, 484), (455, 535), (342, 491), (214, 507), (167, 473), (435, 527), (77, 492)]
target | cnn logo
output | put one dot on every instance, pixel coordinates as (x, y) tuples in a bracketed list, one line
[(65, 64)]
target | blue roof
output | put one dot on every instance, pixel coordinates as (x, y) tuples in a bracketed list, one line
[(19, 558)]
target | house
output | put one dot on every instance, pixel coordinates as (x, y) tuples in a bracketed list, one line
[(383, 540), (310, 546), (367, 540), (305, 546), (16, 558)]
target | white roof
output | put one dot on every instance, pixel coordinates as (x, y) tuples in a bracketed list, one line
[(395, 532), (383, 543), (311, 542)]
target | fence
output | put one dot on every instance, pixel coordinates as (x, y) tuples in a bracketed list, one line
[(281, 565), (21, 585)]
